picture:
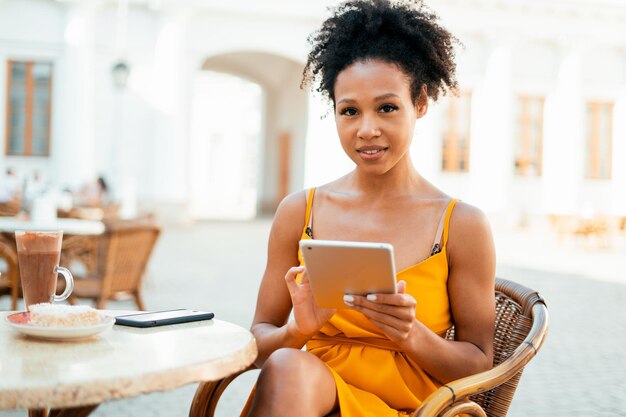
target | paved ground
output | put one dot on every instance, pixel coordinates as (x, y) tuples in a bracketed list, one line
[(581, 370)]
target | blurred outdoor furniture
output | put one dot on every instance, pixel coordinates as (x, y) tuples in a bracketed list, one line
[(10, 208), (73, 378), (8, 226), (595, 230), (115, 261), (103, 213), (520, 329), (9, 280)]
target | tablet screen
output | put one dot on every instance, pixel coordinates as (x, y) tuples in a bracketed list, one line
[(336, 268)]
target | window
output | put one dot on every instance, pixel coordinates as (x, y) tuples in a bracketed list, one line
[(529, 144), (456, 136), (29, 87), (599, 139)]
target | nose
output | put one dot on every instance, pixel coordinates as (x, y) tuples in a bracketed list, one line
[(368, 129)]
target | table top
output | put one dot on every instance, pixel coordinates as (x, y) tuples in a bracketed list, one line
[(69, 226), (118, 363)]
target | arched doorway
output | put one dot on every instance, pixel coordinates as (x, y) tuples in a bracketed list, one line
[(226, 124), (248, 128)]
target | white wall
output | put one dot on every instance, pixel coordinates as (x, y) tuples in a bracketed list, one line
[(141, 136), (31, 29)]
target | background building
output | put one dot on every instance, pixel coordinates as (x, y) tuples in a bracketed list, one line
[(210, 121)]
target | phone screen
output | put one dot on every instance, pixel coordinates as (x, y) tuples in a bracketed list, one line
[(159, 318)]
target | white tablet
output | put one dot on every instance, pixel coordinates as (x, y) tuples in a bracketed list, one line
[(338, 267)]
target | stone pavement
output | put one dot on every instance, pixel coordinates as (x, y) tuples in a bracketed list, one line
[(580, 371)]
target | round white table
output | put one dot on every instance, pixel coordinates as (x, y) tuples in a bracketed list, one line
[(69, 226), (121, 362)]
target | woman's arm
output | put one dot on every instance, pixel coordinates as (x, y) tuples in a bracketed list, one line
[(273, 301), (471, 281), (279, 292)]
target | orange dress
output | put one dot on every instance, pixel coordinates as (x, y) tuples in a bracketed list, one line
[(373, 378)]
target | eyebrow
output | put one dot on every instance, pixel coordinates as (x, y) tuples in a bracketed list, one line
[(379, 98)]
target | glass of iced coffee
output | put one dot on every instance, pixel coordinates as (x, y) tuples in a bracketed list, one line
[(38, 254)]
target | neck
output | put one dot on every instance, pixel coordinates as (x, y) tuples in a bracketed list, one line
[(401, 180)]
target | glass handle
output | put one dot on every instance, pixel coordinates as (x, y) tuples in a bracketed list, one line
[(69, 283)]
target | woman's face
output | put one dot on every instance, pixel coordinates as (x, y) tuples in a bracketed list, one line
[(375, 115)]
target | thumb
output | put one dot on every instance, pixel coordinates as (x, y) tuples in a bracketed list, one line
[(401, 286)]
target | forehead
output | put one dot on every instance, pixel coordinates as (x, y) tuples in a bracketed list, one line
[(371, 78)]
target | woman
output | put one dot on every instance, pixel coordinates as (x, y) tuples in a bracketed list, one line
[(379, 64)]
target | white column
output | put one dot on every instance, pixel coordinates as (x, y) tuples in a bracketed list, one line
[(618, 177), (172, 96), (563, 147), (325, 159), (74, 153), (426, 146), (491, 158)]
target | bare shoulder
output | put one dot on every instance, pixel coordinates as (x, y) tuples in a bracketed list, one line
[(469, 230), (293, 204), (467, 219), (289, 217)]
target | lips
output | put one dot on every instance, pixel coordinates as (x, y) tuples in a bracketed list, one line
[(371, 153)]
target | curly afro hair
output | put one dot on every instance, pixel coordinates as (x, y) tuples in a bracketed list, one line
[(402, 32)]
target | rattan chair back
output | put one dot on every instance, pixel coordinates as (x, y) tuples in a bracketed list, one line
[(122, 255), (513, 325), (128, 250), (10, 280), (10, 208)]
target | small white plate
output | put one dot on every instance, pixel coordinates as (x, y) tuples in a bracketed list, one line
[(19, 321)]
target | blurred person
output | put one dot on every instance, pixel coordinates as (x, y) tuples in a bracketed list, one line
[(9, 187), (379, 63), (33, 187), (94, 194)]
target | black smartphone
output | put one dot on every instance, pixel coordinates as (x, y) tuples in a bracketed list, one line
[(162, 318)]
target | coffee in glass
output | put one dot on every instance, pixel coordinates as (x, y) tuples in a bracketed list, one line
[(38, 254)]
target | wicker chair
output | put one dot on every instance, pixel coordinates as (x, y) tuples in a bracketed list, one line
[(126, 247), (9, 280), (520, 328), (10, 208)]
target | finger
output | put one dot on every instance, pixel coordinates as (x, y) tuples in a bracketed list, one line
[(401, 287), (402, 312), (290, 278), (402, 300), (305, 277), (396, 323), (392, 333)]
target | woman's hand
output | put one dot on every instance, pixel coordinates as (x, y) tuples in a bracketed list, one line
[(394, 314), (309, 318)]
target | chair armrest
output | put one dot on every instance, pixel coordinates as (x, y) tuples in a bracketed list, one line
[(457, 392), (208, 394)]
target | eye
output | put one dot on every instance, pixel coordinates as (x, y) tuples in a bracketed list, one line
[(348, 111), (387, 108)]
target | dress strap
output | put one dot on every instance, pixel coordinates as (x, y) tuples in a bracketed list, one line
[(308, 216), (446, 226), (442, 229)]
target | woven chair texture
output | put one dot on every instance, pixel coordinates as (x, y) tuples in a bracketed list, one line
[(124, 251), (9, 281)]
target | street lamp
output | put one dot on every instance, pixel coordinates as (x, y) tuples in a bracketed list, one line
[(120, 72)]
